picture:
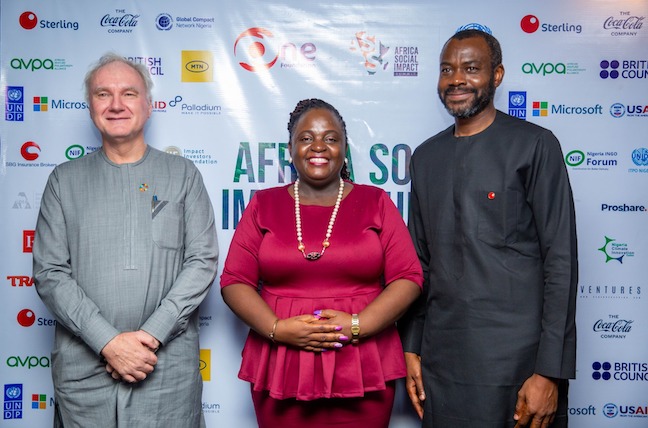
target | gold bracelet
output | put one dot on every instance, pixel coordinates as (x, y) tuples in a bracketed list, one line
[(355, 329), (271, 335)]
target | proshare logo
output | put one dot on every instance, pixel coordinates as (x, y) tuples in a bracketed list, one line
[(530, 24), (518, 104), (614, 250)]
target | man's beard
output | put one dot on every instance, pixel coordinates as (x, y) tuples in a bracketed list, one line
[(480, 102)]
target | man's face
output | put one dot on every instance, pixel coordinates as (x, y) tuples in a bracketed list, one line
[(466, 81), (119, 106)]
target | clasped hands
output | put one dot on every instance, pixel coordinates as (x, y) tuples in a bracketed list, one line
[(130, 356), (322, 331)]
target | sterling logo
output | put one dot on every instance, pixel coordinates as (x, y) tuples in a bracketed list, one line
[(26, 318)]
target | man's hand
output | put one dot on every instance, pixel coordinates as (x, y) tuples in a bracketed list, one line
[(537, 402), (414, 382), (131, 356)]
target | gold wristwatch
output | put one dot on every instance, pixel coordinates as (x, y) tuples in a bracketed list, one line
[(355, 329)]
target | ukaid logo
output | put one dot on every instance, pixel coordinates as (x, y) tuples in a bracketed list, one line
[(14, 104), (612, 410), (13, 401), (518, 104)]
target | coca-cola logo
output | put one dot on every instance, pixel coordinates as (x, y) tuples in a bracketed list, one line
[(624, 23), (613, 326), (125, 20)]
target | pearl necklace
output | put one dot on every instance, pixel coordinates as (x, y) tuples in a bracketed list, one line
[(325, 244)]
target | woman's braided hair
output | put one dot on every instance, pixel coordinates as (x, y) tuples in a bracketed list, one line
[(305, 105)]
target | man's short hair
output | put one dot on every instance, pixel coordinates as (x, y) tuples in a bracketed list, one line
[(493, 45), (111, 57)]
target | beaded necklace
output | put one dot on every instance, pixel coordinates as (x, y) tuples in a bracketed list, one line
[(325, 244)]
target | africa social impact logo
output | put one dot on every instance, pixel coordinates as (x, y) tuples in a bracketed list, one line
[(372, 50)]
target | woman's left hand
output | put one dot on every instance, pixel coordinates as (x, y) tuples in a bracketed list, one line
[(336, 317)]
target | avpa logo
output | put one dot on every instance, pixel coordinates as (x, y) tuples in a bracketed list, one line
[(626, 69), (530, 24), (36, 64), (13, 401), (518, 104), (551, 68), (28, 361), (28, 20), (197, 66), (257, 50), (15, 104), (615, 250), (30, 151), (372, 50)]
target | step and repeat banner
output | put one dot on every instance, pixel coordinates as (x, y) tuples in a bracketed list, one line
[(228, 73)]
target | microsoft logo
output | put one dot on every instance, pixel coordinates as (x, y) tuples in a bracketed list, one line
[(40, 103), (540, 108)]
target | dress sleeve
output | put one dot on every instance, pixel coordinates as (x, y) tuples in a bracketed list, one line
[(199, 265), (550, 196), (242, 262), (411, 325), (401, 261), (53, 277)]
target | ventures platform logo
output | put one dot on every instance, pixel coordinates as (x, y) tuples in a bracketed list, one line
[(15, 104), (197, 66), (530, 24)]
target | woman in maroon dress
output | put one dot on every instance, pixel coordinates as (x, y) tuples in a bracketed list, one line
[(320, 270)]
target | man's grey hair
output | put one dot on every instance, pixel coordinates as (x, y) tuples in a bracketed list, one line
[(113, 57)]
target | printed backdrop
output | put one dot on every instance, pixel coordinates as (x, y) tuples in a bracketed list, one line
[(226, 76)]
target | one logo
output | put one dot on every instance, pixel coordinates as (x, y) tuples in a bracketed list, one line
[(540, 109), (601, 371), (205, 364), (28, 240), (640, 156), (255, 46), (164, 22), (13, 406), (614, 250), (475, 26), (610, 410), (14, 104), (617, 110), (518, 104), (75, 151), (197, 66), (530, 24), (30, 150), (372, 50), (28, 20), (26, 318), (40, 103)]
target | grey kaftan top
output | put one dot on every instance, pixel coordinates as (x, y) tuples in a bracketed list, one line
[(118, 248), (492, 219)]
